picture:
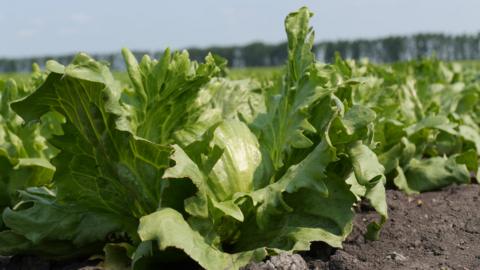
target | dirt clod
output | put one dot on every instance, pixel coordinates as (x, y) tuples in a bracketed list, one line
[(284, 261)]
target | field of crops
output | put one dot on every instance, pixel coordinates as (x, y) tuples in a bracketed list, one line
[(190, 162)]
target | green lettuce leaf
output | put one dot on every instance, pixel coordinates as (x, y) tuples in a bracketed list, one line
[(24, 150), (99, 167), (163, 92), (40, 221), (218, 100), (434, 173)]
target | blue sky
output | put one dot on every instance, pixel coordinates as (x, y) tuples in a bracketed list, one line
[(35, 28)]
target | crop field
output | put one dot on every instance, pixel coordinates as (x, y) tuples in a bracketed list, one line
[(187, 165)]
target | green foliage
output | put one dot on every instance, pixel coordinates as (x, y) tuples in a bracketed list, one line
[(226, 171), (24, 150), (428, 132), (260, 184)]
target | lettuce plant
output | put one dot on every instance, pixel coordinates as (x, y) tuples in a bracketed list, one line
[(113, 151), (278, 181)]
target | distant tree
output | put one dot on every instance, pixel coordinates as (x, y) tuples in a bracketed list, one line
[(389, 49)]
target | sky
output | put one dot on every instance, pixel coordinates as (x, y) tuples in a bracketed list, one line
[(55, 27)]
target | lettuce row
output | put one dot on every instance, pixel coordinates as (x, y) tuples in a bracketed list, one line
[(226, 171), (427, 137), (249, 176)]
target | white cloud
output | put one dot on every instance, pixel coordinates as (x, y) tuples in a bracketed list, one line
[(81, 18)]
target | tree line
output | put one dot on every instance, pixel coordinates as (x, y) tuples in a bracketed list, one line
[(383, 50)]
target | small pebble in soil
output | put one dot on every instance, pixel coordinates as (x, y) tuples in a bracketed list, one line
[(396, 256), (417, 243), (472, 225)]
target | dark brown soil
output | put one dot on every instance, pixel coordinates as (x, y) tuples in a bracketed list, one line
[(27, 262), (433, 230)]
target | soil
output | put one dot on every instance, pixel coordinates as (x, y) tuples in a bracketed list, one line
[(433, 230), (28, 262)]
